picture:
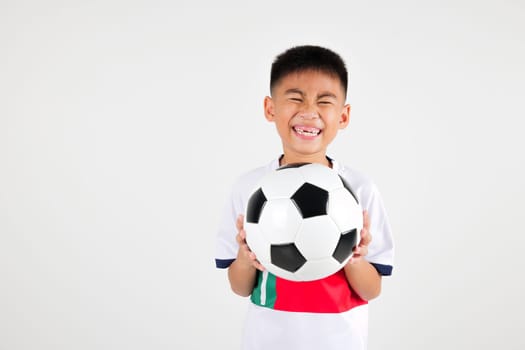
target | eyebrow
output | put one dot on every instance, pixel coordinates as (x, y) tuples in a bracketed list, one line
[(320, 96), (327, 94), (294, 91)]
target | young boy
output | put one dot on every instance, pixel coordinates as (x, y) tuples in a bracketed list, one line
[(308, 91)]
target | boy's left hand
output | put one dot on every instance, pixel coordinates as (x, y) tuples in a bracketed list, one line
[(362, 248)]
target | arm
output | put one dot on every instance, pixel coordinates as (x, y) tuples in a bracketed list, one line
[(243, 271), (361, 275)]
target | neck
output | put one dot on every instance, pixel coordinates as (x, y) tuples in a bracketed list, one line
[(291, 159)]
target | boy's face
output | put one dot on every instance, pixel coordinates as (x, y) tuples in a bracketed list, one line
[(308, 109)]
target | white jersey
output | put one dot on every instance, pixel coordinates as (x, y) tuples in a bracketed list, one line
[(324, 314)]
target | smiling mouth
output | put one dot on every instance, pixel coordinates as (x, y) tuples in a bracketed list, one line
[(306, 130)]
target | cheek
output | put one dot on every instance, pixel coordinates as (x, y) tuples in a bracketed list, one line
[(334, 118), (332, 127), (282, 126), (286, 109)]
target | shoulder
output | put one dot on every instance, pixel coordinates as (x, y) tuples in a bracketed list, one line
[(364, 187), (359, 181), (246, 182)]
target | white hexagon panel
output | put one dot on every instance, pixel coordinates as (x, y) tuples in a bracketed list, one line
[(344, 210), (317, 238), (280, 221)]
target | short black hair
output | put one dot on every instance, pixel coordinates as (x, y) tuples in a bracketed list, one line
[(308, 57)]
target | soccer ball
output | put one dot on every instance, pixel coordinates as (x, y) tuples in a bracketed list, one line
[(302, 221)]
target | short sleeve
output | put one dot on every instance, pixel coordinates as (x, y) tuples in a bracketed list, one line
[(226, 245), (381, 248)]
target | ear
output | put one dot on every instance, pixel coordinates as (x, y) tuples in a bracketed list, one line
[(344, 119), (269, 108)]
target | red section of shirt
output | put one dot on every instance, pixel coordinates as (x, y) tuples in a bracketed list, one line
[(331, 294)]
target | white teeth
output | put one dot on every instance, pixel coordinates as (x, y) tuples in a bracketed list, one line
[(307, 133)]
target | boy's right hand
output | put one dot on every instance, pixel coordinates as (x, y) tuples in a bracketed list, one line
[(245, 256)]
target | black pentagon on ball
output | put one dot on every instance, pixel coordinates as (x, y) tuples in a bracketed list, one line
[(346, 244), (255, 206), (310, 200), (286, 256), (348, 188)]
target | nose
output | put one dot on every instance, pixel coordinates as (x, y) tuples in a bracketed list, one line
[(308, 115)]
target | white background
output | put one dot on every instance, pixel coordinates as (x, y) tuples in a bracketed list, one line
[(124, 123)]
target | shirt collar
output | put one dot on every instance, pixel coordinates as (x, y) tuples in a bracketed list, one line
[(335, 164)]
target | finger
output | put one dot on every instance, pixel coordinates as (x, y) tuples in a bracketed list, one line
[(249, 253), (366, 238), (256, 262), (366, 220), (240, 222), (358, 253), (241, 237), (258, 265), (242, 234), (362, 251)]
